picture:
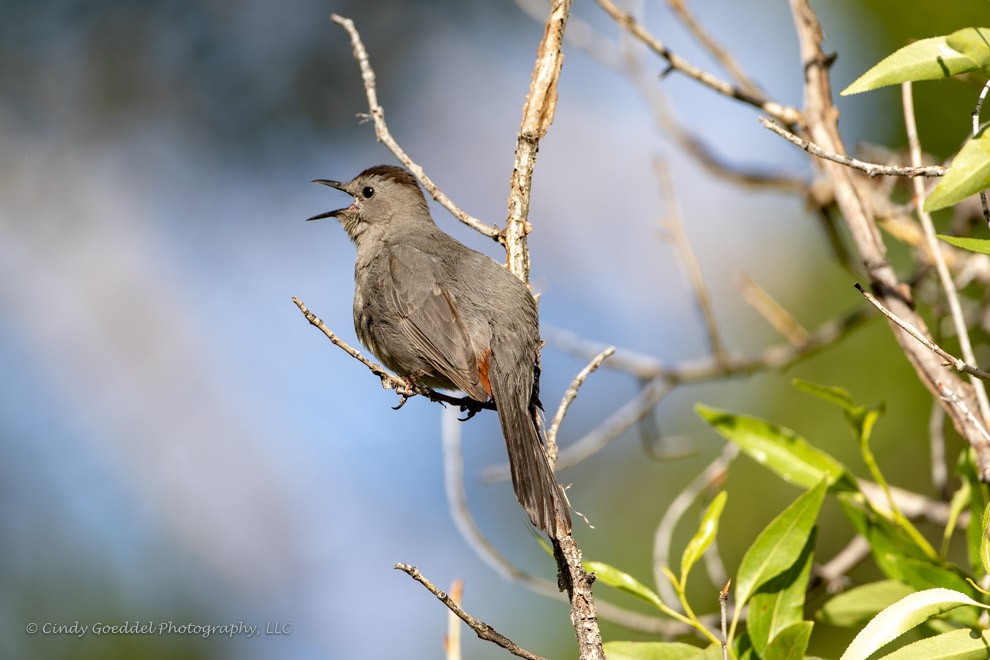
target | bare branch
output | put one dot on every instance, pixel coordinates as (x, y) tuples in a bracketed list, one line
[(390, 381), (705, 369), (956, 363), (785, 114), (377, 114), (723, 606), (568, 399), (779, 318), (873, 169), (481, 629), (537, 115), (723, 56)]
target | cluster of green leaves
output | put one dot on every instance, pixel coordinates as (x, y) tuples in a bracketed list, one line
[(920, 587), (963, 51)]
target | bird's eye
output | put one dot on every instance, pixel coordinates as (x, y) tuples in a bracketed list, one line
[(368, 192)]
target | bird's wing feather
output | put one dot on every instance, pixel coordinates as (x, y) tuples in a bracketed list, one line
[(431, 320)]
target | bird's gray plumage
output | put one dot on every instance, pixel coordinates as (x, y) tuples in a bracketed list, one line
[(449, 317)]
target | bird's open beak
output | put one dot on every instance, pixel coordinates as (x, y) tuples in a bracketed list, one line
[(332, 184)]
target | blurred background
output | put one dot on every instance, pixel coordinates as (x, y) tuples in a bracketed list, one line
[(177, 443)]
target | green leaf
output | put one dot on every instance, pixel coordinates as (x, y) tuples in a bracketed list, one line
[(651, 651), (956, 645), (968, 174), (836, 395), (704, 536), (622, 581), (790, 643), (860, 604), (780, 544), (861, 418), (979, 500), (778, 448), (885, 538), (902, 616), (928, 59), (779, 603), (974, 43), (926, 574), (985, 541), (979, 245)]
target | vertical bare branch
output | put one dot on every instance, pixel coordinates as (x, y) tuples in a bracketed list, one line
[(537, 115)]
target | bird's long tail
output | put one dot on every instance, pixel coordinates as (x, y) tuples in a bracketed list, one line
[(532, 478)]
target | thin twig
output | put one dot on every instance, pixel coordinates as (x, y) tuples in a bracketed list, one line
[(673, 226), (481, 629), (377, 114), (773, 312), (723, 606), (389, 381), (723, 56), (583, 36), (568, 399), (955, 362), (873, 169), (783, 113), (944, 276)]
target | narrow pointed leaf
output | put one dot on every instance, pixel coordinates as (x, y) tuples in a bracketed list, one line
[(779, 603), (979, 245), (790, 643), (928, 59), (902, 616), (651, 651), (778, 448), (974, 43), (704, 536), (621, 580), (962, 644), (985, 541), (780, 544), (860, 604), (968, 174)]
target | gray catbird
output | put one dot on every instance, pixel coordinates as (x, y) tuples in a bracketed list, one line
[(448, 317)]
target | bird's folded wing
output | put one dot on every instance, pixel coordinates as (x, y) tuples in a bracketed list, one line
[(431, 320)]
